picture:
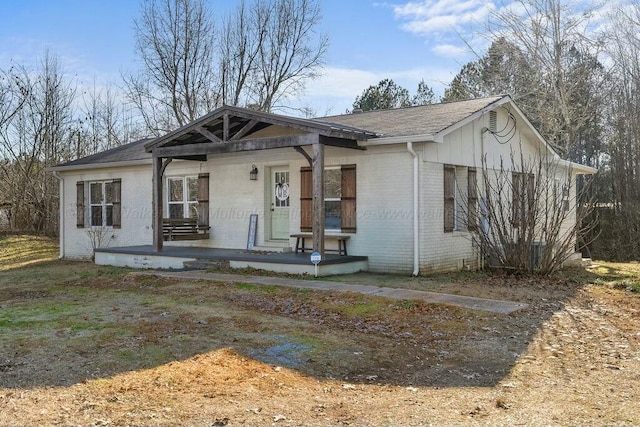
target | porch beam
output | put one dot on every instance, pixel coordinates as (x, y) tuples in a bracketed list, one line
[(165, 163), (237, 146), (317, 173), (305, 155), (341, 142), (199, 158), (156, 205), (244, 130), (207, 134)]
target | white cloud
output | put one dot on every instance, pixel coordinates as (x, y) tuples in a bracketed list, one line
[(335, 91), (341, 82), (429, 17), (347, 83), (450, 51)]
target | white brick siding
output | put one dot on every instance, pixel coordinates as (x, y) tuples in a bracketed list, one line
[(136, 210), (384, 198)]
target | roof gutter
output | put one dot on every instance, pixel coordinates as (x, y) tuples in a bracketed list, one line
[(416, 211), (580, 169), (427, 137)]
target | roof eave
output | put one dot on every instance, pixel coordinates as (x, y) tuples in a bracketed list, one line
[(103, 165), (389, 140), (578, 168)]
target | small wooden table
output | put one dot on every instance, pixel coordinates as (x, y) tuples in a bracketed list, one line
[(341, 238)]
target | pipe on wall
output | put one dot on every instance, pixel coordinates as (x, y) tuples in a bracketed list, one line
[(416, 211), (61, 213)]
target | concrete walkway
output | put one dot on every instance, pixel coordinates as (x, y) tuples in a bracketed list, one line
[(494, 306)]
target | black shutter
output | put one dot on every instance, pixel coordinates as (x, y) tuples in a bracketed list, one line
[(117, 205), (348, 200), (449, 198), (472, 200), (306, 199), (80, 204), (203, 199)]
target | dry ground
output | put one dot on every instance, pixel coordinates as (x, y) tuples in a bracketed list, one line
[(87, 345)]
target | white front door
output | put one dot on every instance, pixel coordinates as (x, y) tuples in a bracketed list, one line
[(280, 203)]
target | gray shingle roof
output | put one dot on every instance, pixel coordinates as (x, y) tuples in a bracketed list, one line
[(426, 119), (127, 152)]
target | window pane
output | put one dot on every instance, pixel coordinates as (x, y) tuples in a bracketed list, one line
[(176, 211), (192, 188), (109, 216), (332, 184), (96, 193), (193, 210), (332, 215), (108, 192), (175, 190), (96, 216)]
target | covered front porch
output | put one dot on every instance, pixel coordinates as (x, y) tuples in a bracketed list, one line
[(216, 142), (180, 257), (231, 133)]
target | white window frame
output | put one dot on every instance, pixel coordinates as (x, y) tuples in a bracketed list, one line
[(185, 195), (103, 204)]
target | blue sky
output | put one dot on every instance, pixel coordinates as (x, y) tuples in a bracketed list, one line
[(405, 40)]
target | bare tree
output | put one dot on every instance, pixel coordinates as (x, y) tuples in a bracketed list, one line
[(175, 42), (288, 56), (242, 34), (619, 197), (561, 46), (35, 138), (13, 95), (259, 55), (104, 123), (528, 217)]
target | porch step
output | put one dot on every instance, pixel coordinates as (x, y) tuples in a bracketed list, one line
[(206, 264)]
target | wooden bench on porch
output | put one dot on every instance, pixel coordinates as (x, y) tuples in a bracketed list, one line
[(183, 229), (341, 238)]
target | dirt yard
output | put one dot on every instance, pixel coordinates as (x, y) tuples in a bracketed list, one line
[(87, 345)]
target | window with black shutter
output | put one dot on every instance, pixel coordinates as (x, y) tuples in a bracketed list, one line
[(339, 198)]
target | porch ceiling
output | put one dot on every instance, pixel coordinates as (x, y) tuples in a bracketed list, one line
[(232, 129)]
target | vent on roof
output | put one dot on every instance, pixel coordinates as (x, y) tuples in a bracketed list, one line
[(493, 121)]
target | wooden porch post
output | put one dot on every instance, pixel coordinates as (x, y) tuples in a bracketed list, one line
[(318, 197), (156, 210)]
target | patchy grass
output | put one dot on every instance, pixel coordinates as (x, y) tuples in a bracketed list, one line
[(361, 309), (628, 284), (88, 345), (252, 287), (19, 251)]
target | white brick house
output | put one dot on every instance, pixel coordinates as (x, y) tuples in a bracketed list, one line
[(381, 175)]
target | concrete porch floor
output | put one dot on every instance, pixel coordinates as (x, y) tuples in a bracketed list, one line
[(173, 257)]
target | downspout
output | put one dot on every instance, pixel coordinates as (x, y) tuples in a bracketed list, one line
[(61, 213), (416, 212)]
